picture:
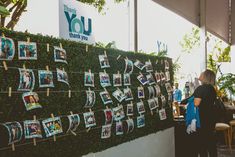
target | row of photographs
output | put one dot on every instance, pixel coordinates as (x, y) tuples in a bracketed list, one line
[(53, 126)]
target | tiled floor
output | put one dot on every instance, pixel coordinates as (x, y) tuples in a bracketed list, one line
[(224, 151)]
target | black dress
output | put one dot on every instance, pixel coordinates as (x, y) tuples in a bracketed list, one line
[(206, 143)]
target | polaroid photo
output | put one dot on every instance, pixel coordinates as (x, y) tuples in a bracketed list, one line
[(140, 121), (143, 80), (163, 77), (128, 94), (169, 88), (31, 100), (90, 99), (163, 99), (130, 125), (139, 65), (45, 79), (151, 92), (158, 90), (152, 104), (129, 66), (104, 79), (89, 79), (32, 129), (60, 55), (118, 113), (119, 128), (170, 97), (127, 79), (150, 79), (15, 131), (27, 80), (74, 121), (167, 65), (141, 92), (27, 50), (104, 62), (117, 80), (119, 95), (89, 118), (7, 48), (52, 126), (148, 66), (108, 113), (129, 110), (168, 76), (157, 77), (62, 76), (106, 131), (156, 101), (106, 97), (140, 107), (162, 114)]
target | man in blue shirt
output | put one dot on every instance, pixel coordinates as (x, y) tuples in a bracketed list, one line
[(177, 95)]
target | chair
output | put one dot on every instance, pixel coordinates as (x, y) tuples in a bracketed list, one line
[(227, 135), (232, 124)]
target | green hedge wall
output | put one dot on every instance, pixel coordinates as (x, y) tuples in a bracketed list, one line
[(12, 108)]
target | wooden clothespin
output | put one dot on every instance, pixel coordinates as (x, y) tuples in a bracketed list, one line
[(63, 69), (118, 72), (105, 90), (151, 112), (28, 40), (53, 118), (105, 71), (69, 94), (48, 47), (24, 67), (107, 107), (9, 91), (118, 57), (86, 48), (5, 65), (48, 89), (105, 53), (13, 146), (34, 139), (89, 70), (47, 68), (61, 45)]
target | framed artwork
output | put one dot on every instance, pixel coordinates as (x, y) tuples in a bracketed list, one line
[(27, 80), (52, 126), (141, 92), (129, 110), (106, 99), (152, 104), (139, 65), (117, 80), (127, 79), (119, 128), (74, 121), (7, 48), (104, 79), (60, 55), (15, 132), (90, 99), (89, 118), (45, 79), (106, 131), (104, 62), (129, 66), (118, 113), (140, 121), (32, 129), (143, 80), (128, 94), (119, 95), (31, 100), (89, 79), (140, 107), (108, 113), (62, 76), (27, 50)]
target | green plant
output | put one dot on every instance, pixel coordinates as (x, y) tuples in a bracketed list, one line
[(227, 82)]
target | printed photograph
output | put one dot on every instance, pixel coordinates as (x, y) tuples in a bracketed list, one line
[(15, 132), (163, 77), (31, 100), (148, 66), (90, 99), (140, 107), (106, 131), (89, 118), (89, 79), (60, 55), (167, 65), (62, 76), (117, 80), (168, 76), (7, 48), (129, 110), (163, 100), (52, 126), (104, 62), (162, 114), (45, 79), (27, 50), (157, 77), (127, 79), (128, 94), (169, 88), (158, 90), (130, 125), (108, 113), (118, 113), (152, 104), (106, 98), (119, 128), (156, 101), (143, 80), (74, 121), (150, 79), (119, 95), (27, 80), (129, 66), (140, 121), (32, 129), (141, 92), (151, 92), (139, 65), (104, 79)]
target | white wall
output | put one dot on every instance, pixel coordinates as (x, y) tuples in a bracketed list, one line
[(160, 144)]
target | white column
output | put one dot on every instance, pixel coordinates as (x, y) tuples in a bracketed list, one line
[(203, 40)]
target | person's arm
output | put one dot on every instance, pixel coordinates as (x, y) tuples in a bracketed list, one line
[(198, 95), (197, 101)]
